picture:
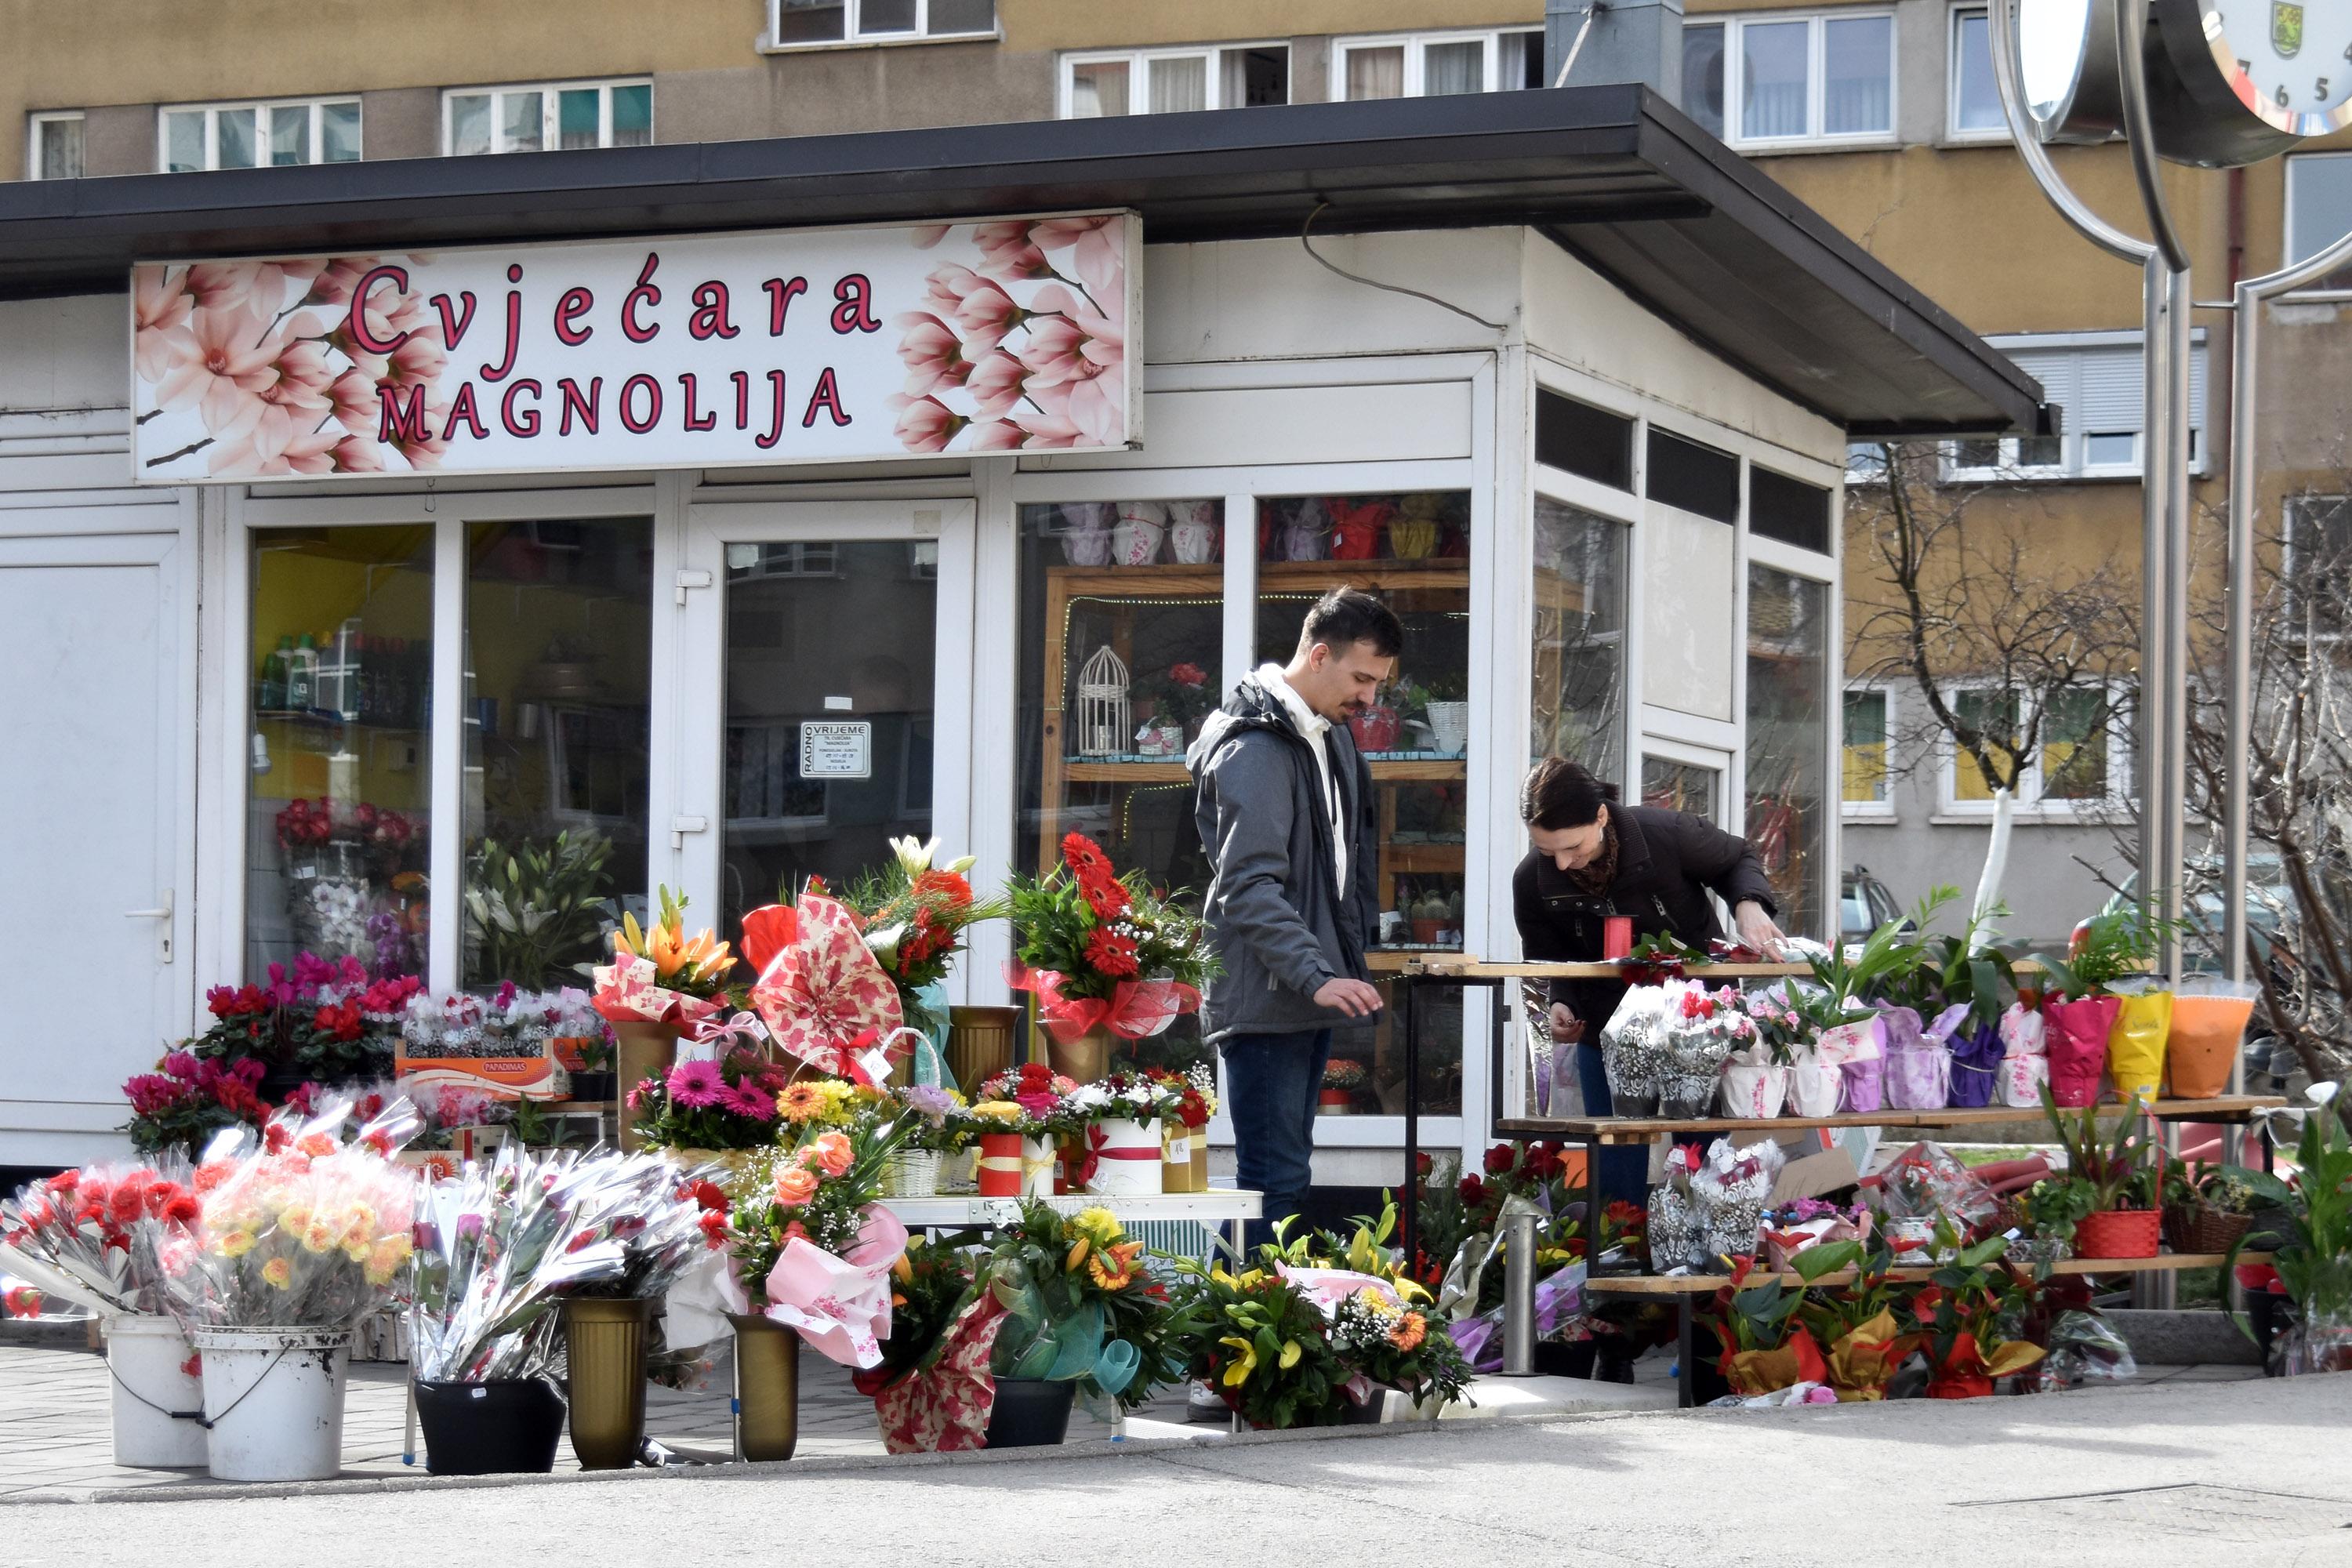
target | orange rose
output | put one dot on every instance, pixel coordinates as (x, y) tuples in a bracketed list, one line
[(795, 1185), (832, 1153)]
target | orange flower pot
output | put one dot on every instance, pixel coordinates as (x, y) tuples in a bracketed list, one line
[(2119, 1233)]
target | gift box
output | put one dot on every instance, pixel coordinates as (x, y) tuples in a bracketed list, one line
[(499, 1077), (1176, 1160), (1125, 1159)]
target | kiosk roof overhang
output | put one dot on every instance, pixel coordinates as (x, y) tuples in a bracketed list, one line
[(1614, 175)]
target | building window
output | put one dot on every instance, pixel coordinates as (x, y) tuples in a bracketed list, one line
[(547, 117), (254, 135), (2317, 574), (1868, 788), (1428, 64), (2320, 210), (1581, 439), (2096, 379), (801, 23), (1865, 462), (1972, 97), (1163, 81), (1783, 80), (1695, 478), (2077, 759), (1787, 787), (53, 147), (1790, 510), (1579, 656)]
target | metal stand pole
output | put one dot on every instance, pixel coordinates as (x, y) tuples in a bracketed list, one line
[(1411, 985), (1519, 1295)]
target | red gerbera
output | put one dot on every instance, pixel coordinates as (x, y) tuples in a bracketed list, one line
[(947, 885), (1083, 855), (1105, 894), (1110, 953)]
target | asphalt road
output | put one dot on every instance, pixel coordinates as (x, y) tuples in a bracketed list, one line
[(2244, 1472)]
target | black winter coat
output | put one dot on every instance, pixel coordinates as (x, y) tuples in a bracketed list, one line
[(1667, 862)]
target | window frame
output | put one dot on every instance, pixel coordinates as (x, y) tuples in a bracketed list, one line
[(1138, 63), (2032, 806), (1869, 810), (1954, 131), (2073, 465), (852, 37), (1415, 45), (1735, 80), (2317, 291), (33, 124), (263, 108), (550, 110)]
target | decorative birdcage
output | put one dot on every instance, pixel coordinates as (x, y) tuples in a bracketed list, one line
[(1103, 723)]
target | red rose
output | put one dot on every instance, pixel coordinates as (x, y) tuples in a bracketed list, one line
[(1500, 1159), (1473, 1191)]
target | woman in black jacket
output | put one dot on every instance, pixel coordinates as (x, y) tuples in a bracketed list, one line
[(1594, 858)]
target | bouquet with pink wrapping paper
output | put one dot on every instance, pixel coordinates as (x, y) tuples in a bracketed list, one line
[(814, 1248), (659, 975)]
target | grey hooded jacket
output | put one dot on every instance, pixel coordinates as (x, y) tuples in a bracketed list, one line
[(1277, 919)]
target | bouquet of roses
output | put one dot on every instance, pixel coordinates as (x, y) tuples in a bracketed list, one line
[(913, 916), (1032, 1098), (1702, 1029), (1104, 951), (1192, 1094), (294, 1228), (814, 1247), (70, 1235)]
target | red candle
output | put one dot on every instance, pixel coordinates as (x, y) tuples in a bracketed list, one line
[(1617, 937)]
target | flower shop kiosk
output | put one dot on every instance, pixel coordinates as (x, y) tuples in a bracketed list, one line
[(525, 534)]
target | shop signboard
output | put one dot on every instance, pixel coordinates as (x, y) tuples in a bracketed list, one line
[(797, 346)]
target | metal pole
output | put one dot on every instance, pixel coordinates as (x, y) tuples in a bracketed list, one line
[(1520, 1294), (1411, 986)]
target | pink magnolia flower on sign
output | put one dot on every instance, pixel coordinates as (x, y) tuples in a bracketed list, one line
[(930, 234), (274, 445), (418, 361), (925, 423), (995, 383), (1008, 251), (1077, 354), (355, 454), (230, 285), (931, 352), (338, 278), (426, 453), (159, 306), (997, 436), (1048, 429), (945, 287), (987, 312), (219, 366), (358, 408), (1095, 252)]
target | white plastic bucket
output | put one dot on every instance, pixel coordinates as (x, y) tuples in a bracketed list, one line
[(156, 1398), (274, 1399)]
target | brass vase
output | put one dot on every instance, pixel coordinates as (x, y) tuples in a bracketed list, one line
[(605, 1344), (644, 1051), (1081, 1061), (767, 1387), (980, 1043)]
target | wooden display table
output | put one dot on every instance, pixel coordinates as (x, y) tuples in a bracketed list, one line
[(2234, 1108)]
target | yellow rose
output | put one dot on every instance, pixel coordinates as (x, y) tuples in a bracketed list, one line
[(278, 1273)]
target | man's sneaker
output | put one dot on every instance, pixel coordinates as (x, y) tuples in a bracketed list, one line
[(1201, 1403)]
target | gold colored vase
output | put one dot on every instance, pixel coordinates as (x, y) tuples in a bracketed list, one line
[(767, 1387), (645, 1050), (1081, 1061), (604, 1344), (980, 1043)]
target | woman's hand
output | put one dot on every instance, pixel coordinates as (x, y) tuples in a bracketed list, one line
[(1567, 1029), (1756, 930)]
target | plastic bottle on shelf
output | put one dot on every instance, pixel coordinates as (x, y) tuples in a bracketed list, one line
[(302, 674), (274, 666)]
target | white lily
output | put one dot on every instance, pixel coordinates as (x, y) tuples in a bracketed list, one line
[(2322, 1093), (882, 941), (914, 855)]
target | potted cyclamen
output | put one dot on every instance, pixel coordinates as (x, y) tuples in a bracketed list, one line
[(1341, 1079)]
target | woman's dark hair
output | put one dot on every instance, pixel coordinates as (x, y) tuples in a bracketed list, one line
[(1560, 794), (1346, 616)]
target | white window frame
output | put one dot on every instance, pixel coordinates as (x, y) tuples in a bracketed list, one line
[(33, 124), (1735, 29), (1953, 130), (2286, 221), (549, 108), (1868, 810), (2030, 806), (263, 109), (1414, 46), (854, 38), (1139, 63), (2073, 462)]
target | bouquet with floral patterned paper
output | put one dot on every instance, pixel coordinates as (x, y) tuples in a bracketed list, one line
[(823, 998), (661, 975)]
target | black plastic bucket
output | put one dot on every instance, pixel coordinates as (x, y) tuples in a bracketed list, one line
[(506, 1428), (1030, 1413)]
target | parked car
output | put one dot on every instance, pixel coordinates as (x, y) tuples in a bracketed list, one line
[(1863, 905)]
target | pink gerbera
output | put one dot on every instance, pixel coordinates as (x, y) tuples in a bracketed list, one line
[(696, 1084), (747, 1098)]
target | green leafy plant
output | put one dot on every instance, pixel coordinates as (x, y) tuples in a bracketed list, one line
[(2106, 947), (1969, 1295), (2309, 1226), (1262, 1344), (1081, 1307), (536, 912), (2118, 1173)]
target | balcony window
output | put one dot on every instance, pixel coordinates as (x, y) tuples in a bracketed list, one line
[(807, 22), (1165, 81), (192, 137), (1427, 65), (541, 118), (1785, 79)]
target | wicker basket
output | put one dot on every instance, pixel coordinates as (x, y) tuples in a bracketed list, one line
[(2201, 1227), (911, 1173), (2117, 1232)]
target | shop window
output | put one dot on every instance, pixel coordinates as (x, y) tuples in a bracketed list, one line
[(1581, 439), (1164, 81), (1580, 637), (546, 117), (1431, 65), (1123, 606), (1790, 510), (338, 826), (253, 135), (816, 22), (2097, 380), (1868, 790), (2320, 210), (1788, 740), (1671, 784), (558, 737), (2078, 760), (1695, 478), (1787, 80), (1412, 549), (54, 147), (1972, 95)]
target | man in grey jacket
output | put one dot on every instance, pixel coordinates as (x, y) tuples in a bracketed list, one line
[(1284, 811)]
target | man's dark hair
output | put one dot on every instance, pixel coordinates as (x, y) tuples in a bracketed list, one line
[(1345, 617), (1560, 794)]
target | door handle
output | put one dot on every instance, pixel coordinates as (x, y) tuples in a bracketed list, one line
[(679, 826), (163, 940)]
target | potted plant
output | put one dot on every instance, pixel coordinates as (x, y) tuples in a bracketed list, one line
[(1117, 1150), (535, 913), (1264, 1346), (1958, 1319), (1766, 1346), (2206, 1211), (1856, 1326), (706, 1113), (660, 983), (1341, 1079), (2309, 1226), (1180, 699), (1103, 954), (2079, 1010), (2111, 1183)]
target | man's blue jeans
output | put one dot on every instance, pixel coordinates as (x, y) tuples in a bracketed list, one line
[(1271, 1081)]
